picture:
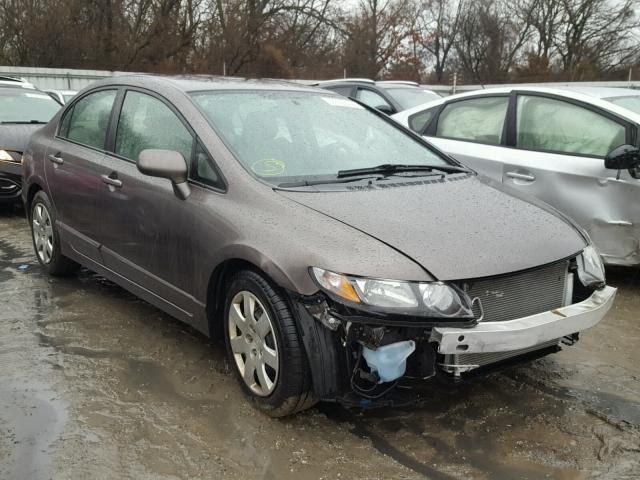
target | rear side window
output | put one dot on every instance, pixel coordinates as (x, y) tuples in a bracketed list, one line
[(88, 120), (559, 126), (419, 121), (477, 119), (146, 122)]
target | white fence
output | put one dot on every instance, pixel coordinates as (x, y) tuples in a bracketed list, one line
[(56, 78), (69, 79)]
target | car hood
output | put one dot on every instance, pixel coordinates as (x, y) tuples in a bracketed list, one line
[(15, 137), (458, 227)]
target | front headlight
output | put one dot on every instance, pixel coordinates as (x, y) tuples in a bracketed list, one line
[(7, 157), (590, 267), (427, 299)]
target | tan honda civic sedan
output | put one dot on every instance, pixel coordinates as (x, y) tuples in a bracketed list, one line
[(338, 254)]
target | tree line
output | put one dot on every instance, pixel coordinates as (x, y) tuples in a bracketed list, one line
[(425, 40)]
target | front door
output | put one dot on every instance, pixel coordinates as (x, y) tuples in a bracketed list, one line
[(559, 158), (144, 226), (73, 167)]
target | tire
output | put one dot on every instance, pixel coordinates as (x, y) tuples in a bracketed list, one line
[(46, 239), (276, 392)]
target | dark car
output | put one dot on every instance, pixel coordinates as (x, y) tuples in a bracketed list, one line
[(337, 253), (387, 96), (22, 112)]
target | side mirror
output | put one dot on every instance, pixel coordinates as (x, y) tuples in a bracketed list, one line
[(386, 109), (166, 164), (622, 158)]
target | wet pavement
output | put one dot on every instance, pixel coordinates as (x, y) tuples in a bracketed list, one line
[(95, 383)]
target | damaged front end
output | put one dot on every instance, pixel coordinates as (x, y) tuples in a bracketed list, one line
[(368, 338)]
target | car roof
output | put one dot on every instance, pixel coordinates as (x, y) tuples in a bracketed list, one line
[(194, 83), (593, 95), (63, 92), (365, 81), (12, 90)]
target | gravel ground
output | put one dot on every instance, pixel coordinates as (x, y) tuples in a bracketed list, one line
[(95, 383)]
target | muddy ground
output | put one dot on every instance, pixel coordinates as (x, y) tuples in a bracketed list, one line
[(97, 384)]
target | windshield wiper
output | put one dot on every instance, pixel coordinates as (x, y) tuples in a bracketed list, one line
[(309, 183), (391, 168), (24, 122)]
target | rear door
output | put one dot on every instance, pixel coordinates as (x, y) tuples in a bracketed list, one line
[(560, 145), (73, 167), (145, 228), (473, 130)]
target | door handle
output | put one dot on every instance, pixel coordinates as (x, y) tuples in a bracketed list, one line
[(55, 159), (521, 176), (114, 182)]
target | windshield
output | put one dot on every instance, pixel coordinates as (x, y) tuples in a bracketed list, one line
[(26, 107), (292, 136), (632, 102), (412, 97)]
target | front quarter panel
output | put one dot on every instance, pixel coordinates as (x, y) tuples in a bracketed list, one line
[(284, 239)]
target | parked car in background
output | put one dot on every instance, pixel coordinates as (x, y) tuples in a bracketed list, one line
[(387, 96), (623, 97), (22, 112), (337, 253), (62, 96), (556, 144), (14, 82)]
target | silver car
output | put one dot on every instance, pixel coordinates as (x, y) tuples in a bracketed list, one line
[(551, 143)]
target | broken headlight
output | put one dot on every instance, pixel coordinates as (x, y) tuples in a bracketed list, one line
[(425, 299), (590, 267)]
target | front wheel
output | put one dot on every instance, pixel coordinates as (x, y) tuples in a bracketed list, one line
[(264, 347), (46, 240)]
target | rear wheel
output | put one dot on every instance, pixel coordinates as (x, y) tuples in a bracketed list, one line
[(264, 348), (46, 240)]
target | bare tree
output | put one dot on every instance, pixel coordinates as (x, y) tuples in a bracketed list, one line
[(437, 25), (374, 34), (492, 36), (595, 35)]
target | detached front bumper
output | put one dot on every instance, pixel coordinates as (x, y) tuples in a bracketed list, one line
[(527, 332)]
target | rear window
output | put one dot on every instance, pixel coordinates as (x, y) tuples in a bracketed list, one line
[(27, 107), (412, 97), (632, 102)]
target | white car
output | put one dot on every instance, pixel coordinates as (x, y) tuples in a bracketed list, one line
[(14, 82), (62, 96), (551, 143)]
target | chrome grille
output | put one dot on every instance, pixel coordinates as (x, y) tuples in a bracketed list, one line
[(521, 294)]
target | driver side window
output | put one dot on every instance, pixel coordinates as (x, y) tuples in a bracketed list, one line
[(146, 122), (372, 99), (558, 126)]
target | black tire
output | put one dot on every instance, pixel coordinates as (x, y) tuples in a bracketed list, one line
[(292, 391), (58, 265)]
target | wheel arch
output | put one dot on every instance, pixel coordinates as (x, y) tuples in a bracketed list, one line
[(31, 193), (219, 279)]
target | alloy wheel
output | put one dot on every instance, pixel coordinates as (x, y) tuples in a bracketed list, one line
[(42, 233), (253, 343)]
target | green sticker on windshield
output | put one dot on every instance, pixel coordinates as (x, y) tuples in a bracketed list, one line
[(269, 167)]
